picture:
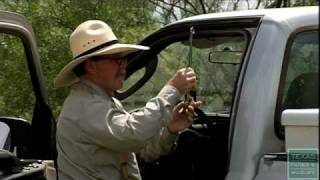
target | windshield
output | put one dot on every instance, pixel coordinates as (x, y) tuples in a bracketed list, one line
[(216, 60)]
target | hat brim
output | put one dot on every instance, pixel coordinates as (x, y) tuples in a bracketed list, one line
[(66, 76)]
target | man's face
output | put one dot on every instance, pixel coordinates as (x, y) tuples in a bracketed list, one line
[(108, 72)]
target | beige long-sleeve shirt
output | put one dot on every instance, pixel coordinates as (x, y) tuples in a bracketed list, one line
[(94, 130)]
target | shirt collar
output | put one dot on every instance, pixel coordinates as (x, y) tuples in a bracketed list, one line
[(95, 88)]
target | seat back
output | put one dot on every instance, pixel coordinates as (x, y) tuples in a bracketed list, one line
[(4, 136), (303, 92), (19, 136)]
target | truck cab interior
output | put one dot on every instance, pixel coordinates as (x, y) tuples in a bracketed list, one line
[(216, 54)]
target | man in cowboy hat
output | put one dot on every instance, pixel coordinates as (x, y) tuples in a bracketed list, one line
[(96, 137)]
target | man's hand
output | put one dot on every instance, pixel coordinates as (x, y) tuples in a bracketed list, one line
[(183, 116), (184, 80)]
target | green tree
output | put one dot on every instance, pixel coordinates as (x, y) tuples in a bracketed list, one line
[(54, 20), (173, 10)]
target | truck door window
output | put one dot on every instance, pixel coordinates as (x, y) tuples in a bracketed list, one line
[(301, 85), (16, 94)]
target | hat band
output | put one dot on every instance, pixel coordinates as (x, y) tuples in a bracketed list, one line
[(97, 48)]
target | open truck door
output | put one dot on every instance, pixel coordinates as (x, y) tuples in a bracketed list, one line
[(29, 137)]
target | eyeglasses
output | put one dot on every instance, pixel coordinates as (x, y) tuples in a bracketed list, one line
[(119, 59)]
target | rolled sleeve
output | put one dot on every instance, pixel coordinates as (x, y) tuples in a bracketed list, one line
[(170, 93), (118, 130)]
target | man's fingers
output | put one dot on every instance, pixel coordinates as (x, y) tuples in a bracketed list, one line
[(196, 104), (188, 113), (192, 79), (190, 118), (187, 69), (190, 73), (190, 109), (180, 105)]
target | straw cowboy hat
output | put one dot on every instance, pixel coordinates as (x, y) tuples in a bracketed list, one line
[(91, 38)]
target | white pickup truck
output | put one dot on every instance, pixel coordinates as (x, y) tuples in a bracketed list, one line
[(258, 74)]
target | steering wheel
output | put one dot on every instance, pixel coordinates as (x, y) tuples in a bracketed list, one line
[(200, 122), (199, 115)]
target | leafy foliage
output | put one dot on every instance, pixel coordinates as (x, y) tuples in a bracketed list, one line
[(16, 98), (54, 20), (172, 10)]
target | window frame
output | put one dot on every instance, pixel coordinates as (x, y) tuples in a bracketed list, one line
[(278, 128), (166, 35), (43, 126), (183, 36)]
